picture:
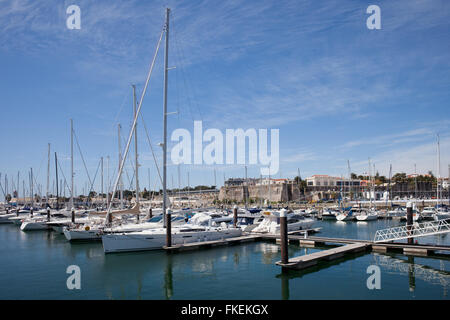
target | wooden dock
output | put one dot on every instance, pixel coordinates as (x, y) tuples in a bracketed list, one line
[(312, 259), (209, 244)]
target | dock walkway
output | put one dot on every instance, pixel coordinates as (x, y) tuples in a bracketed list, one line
[(312, 259)]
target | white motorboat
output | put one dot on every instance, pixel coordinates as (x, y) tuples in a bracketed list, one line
[(295, 222), (94, 230), (41, 222), (329, 214)]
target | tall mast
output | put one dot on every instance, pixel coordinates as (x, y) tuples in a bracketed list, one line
[(120, 176), (48, 173), (31, 187), (107, 181), (71, 164), (415, 182), (439, 169), (101, 188), (245, 187), (166, 66), (136, 150), (370, 182), (18, 188), (390, 177), (57, 191)]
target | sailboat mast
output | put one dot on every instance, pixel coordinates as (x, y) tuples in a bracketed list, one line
[(57, 191), (71, 164), (136, 152), (439, 170), (120, 176), (101, 188), (166, 61), (31, 187), (48, 173)]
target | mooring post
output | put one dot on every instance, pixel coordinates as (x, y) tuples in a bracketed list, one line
[(409, 220), (48, 214), (150, 213), (169, 228), (284, 237), (235, 209), (73, 215), (31, 211)]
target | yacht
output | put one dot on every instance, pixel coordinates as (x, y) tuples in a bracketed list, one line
[(271, 224), (329, 214), (153, 239), (346, 215), (367, 215)]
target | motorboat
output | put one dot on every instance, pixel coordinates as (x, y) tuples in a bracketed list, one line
[(271, 224), (329, 214)]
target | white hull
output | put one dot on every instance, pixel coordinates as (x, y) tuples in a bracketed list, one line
[(34, 225), (345, 217), (4, 218), (156, 239), (363, 217), (73, 235)]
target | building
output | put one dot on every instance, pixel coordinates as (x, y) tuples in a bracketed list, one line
[(323, 180)]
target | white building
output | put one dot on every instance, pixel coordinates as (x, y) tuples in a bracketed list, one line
[(323, 180)]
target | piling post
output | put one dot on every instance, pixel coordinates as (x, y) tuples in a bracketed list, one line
[(169, 228), (73, 215), (150, 213), (284, 237), (409, 220), (235, 210), (48, 214), (31, 211)]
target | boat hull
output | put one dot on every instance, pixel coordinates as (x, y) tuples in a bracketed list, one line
[(82, 235), (153, 241), (366, 217), (34, 226)]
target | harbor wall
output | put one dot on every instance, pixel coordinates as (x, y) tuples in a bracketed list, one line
[(274, 193)]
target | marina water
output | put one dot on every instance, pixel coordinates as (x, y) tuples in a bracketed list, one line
[(33, 266)]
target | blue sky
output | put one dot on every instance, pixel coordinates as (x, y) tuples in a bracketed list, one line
[(336, 90)]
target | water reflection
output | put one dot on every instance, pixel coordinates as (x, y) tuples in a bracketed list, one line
[(168, 285), (415, 271)]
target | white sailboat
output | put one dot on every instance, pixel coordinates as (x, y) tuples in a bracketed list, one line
[(151, 239)]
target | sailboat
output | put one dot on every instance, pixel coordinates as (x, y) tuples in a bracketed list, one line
[(156, 238), (370, 214), (442, 212)]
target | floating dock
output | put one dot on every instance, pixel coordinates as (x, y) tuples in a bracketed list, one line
[(209, 244), (312, 259)]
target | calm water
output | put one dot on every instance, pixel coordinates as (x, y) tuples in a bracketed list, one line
[(33, 266)]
